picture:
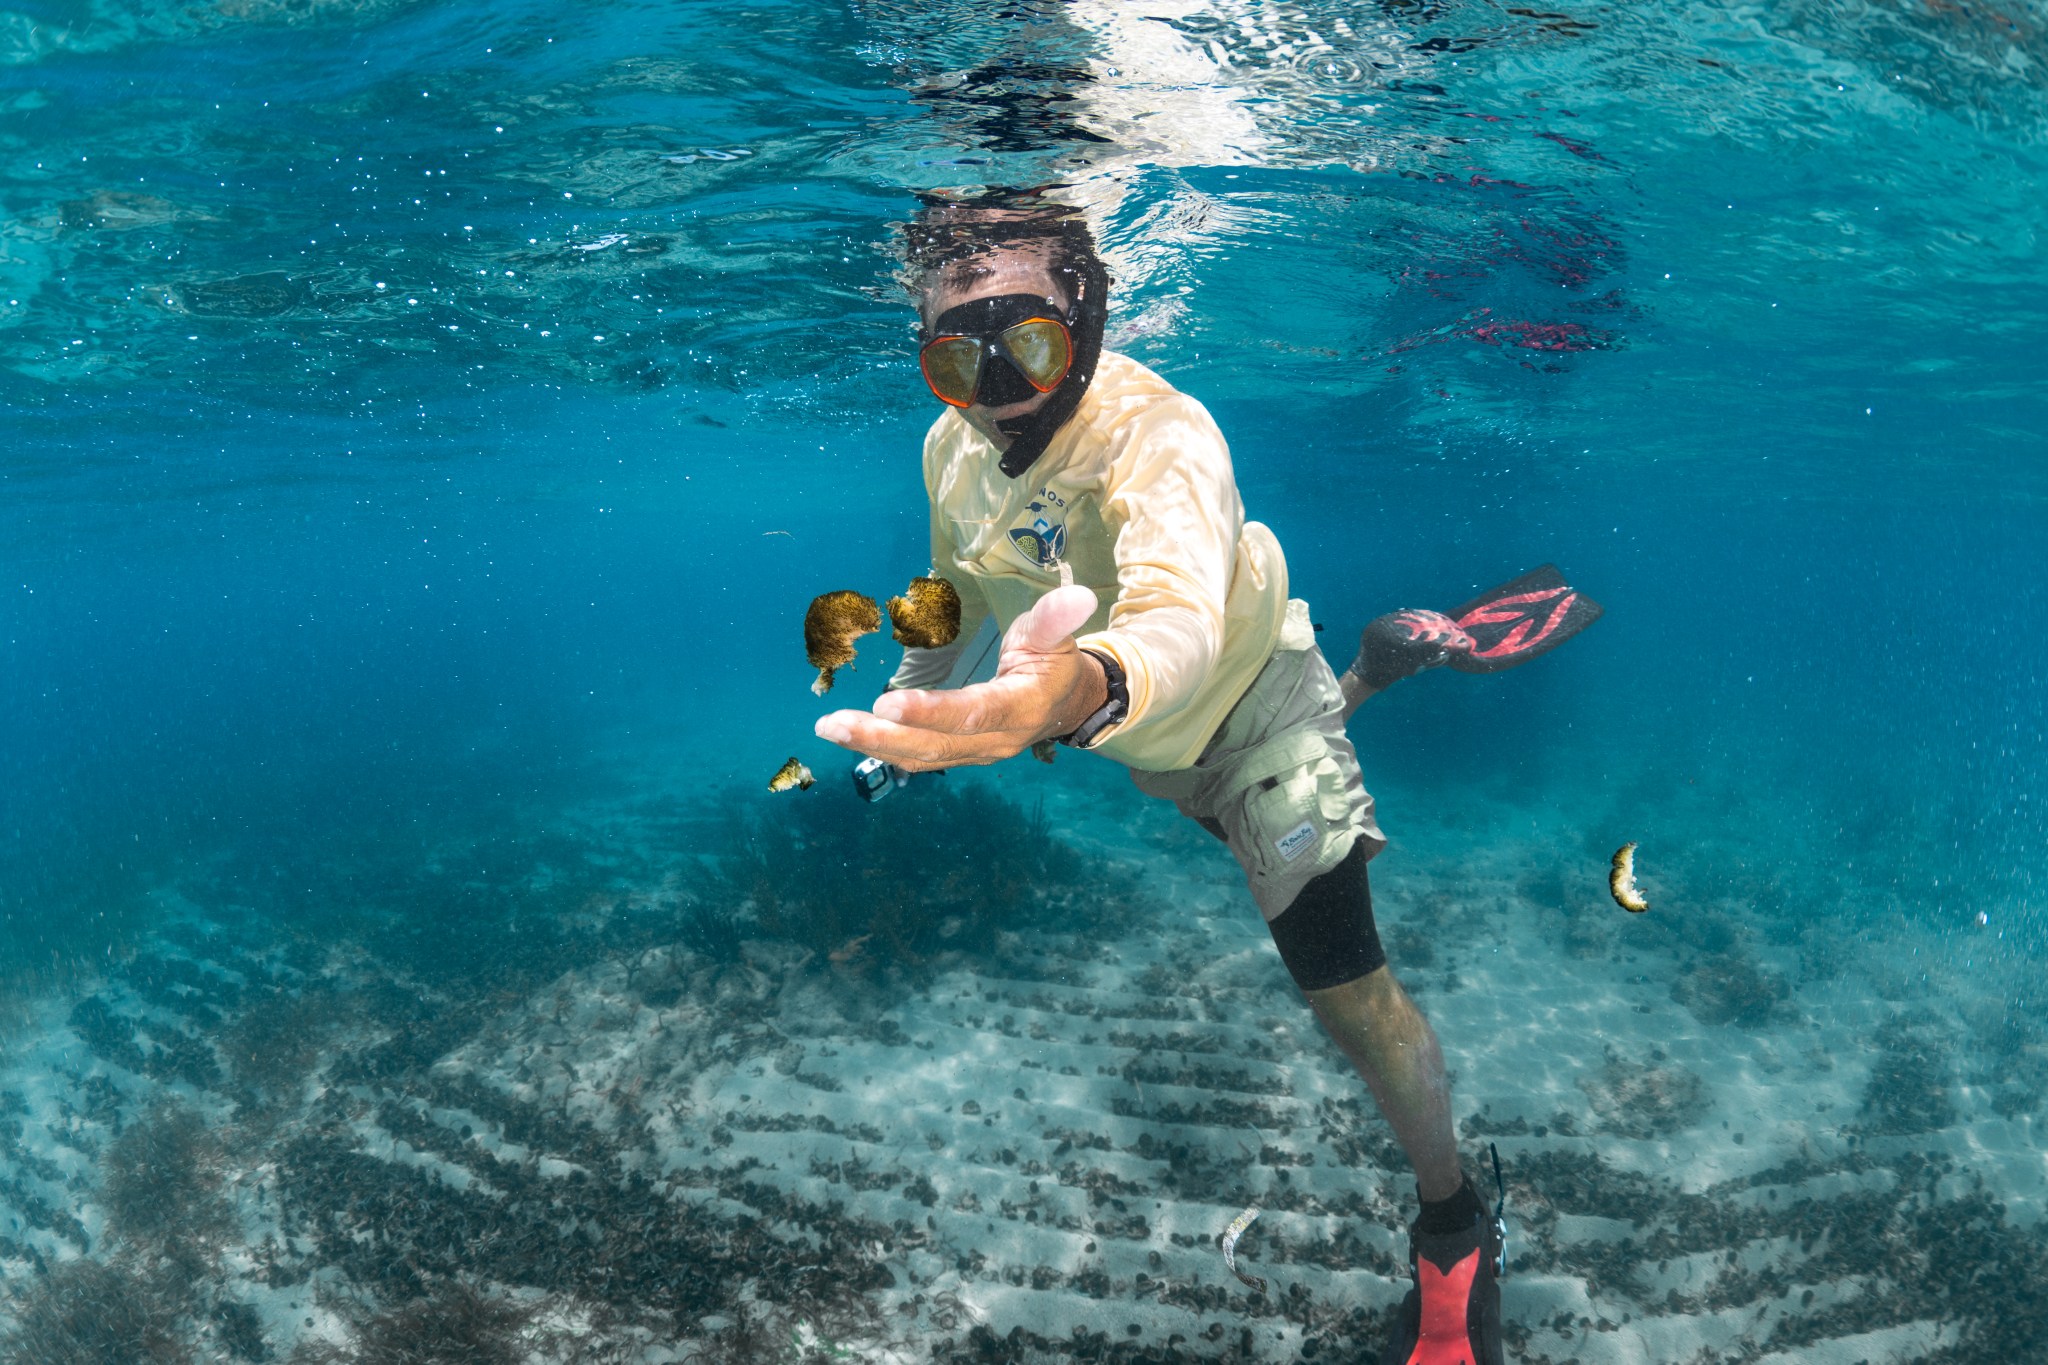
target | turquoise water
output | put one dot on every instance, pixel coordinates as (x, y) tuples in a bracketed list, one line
[(425, 423)]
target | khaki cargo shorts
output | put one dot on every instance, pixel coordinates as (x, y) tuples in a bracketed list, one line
[(1279, 782)]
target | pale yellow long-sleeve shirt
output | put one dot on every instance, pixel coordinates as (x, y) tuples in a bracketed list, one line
[(1136, 495)]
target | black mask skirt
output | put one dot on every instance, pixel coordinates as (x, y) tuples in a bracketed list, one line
[(1002, 383)]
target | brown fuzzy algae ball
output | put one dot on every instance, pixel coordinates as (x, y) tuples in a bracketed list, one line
[(927, 616), (834, 622), (792, 776)]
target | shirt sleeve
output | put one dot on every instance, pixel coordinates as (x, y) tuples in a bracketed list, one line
[(923, 668), (1171, 499)]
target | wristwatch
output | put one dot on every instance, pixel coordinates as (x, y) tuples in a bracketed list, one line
[(1112, 710)]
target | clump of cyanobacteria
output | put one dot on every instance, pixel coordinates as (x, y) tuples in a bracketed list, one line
[(792, 775), (1621, 881), (834, 622), (927, 616)]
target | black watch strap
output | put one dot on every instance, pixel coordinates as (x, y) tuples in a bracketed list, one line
[(1112, 710)]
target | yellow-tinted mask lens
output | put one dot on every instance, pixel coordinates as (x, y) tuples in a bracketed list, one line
[(1040, 350), (952, 366)]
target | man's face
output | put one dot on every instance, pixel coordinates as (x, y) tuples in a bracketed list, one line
[(1020, 272)]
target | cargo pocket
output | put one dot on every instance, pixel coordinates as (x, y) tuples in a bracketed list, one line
[(1290, 795)]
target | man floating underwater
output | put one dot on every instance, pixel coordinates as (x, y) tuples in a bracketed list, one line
[(1073, 490)]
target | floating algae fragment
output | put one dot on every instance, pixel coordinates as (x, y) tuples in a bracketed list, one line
[(834, 622), (791, 774), (1622, 881), (1230, 1236), (927, 616)]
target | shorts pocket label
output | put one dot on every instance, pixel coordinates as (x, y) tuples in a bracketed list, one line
[(1296, 841)]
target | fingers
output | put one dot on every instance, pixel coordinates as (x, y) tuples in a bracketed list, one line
[(1009, 705), (965, 710), (910, 747)]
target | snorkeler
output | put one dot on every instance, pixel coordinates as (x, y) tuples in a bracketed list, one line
[(1073, 490)]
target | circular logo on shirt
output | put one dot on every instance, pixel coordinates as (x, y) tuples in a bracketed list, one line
[(1044, 541)]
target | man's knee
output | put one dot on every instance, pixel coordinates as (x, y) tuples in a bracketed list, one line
[(1326, 936), (1376, 996)]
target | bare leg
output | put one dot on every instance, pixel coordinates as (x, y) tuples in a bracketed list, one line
[(1395, 1050), (1355, 691)]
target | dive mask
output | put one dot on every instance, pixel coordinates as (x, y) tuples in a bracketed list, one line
[(997, 351)]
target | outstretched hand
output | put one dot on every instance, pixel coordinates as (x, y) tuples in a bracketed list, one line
[(1044, 687)]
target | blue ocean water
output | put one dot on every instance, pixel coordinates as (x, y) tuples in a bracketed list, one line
[(425, 423)]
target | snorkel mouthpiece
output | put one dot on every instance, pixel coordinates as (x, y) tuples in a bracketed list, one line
[(1002, 383)]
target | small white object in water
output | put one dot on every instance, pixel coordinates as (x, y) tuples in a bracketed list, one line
[(1230, 1236), (1983, 917)]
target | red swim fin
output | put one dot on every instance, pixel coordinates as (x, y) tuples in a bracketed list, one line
[(1517, 621)]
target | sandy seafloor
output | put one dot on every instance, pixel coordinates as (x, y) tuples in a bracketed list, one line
[(1730, 1131)]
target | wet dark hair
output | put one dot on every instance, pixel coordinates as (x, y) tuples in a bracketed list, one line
[(954, 236)]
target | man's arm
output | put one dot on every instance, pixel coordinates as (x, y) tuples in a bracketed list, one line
[(1172, 500)]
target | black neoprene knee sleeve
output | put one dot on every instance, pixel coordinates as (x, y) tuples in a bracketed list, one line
[(1327, 937)]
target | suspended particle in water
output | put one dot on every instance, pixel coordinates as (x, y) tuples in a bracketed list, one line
[(835, 620), (792, 775), (1621, 881), (927, 616)]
